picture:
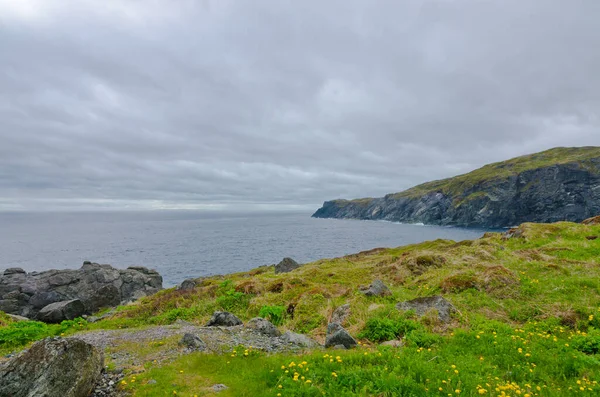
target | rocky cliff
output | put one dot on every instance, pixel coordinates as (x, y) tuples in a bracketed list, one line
[(94, 285), (555, 185)]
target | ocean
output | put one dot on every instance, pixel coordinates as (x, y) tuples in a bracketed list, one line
[(185, 244)]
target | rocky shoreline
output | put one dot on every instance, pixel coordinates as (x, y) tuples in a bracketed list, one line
[(57, 295)]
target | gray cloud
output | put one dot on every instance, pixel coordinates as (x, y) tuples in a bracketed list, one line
[(182, 104)]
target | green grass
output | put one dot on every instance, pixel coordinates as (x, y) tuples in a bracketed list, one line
[(539, 292), (463, 186), (539, 359)]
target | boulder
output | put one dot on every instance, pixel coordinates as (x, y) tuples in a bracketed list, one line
[(95, 285), (52, 367), (263, 326), (298, 340), (340, 314), (377, 288), (286, 266), (423, 305), (60, 311), (192, 342), (337, 335), (223, 319), (187, 285)]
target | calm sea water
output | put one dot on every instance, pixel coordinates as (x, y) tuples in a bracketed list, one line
[(184, 244)]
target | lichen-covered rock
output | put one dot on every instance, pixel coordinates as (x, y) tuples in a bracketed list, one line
[(263, 326), (377, 288), (337, 335), (223, 319), (60, 311), (425, 304), (95, 285), (286, 266), (52, 367)]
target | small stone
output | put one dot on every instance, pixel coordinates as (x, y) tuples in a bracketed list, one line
[(377, 288), (286, 266), (151, 382), (298, 339), (263, 326), (219, 387), (393, 343), (223, 319), (193, 342), (339, 347), (337, 335), (187, 285)]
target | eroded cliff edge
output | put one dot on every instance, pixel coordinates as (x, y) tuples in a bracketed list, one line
[(555, 185)]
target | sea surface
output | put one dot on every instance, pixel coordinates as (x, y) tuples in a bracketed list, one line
[(184, 244)]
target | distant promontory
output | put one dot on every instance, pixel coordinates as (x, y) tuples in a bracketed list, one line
[(555, 185)]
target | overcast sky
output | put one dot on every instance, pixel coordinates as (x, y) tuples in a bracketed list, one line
[(281, 104)]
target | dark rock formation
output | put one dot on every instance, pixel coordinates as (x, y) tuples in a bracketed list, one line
[(377, 288), (337, 335), (263, 326), (286, 265), (423, 305), (52, 367), (59, 311), (223, 319), (95, 285), (557, 185), (192, 342)]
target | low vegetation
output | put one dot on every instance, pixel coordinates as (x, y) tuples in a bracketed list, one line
[(527, 322)]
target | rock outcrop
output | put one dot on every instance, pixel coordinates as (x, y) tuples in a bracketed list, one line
[(286, 266), (556, 185), (95, 285), (377, 288), (52, 367)]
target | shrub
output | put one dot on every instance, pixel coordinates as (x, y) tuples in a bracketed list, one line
[(384, 329), (588, 344), (274, 314), (231, 300)]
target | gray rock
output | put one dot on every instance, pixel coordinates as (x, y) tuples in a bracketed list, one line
[(286, 266), (219, 387), (152, 382), (187, 285), (337, 335), (340, 314), (263, 326), (298, 340), (60, 311), (52, 367), (223, 319), (192, 342), (95, 285), (569, 191), (423, 305), (339, 347), (377, 288)]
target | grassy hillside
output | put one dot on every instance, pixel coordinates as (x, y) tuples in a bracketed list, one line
[(528, 322), (504, 169)]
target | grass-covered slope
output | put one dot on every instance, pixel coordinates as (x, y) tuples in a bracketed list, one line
[(528, 322), (581, 156), (557, 184)]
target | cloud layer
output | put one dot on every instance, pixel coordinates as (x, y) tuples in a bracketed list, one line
[(237, 104)]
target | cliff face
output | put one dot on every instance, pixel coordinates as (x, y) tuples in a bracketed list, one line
[(561, 184)]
